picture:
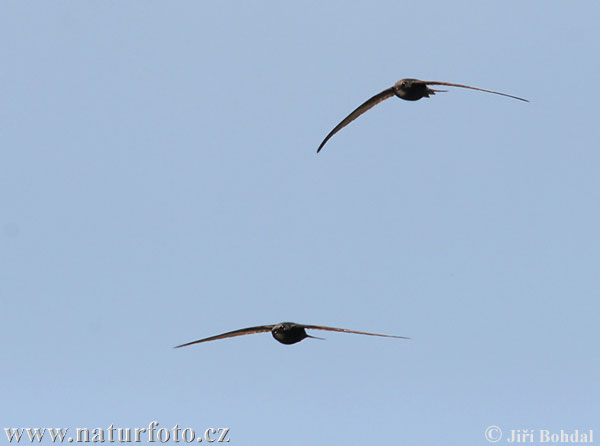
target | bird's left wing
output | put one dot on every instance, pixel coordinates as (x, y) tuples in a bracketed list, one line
[(345, 330), (367, 105), (231, 334)]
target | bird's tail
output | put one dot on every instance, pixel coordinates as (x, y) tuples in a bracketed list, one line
[(431, 91), (314, 337)]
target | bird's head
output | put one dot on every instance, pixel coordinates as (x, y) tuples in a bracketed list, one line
[(284, 326)]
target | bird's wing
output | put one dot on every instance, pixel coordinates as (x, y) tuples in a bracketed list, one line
[(344, 330), (385, 94), (474, 88), (231, 334)]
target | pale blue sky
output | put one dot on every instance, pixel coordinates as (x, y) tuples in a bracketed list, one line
[(159, 184)]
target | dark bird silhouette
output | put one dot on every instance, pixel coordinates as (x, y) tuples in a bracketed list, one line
[(285, 332), (407, 89)]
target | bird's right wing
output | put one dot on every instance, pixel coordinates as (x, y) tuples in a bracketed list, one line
[(385, 94), (345, 330), (449, 84), (231, 334)]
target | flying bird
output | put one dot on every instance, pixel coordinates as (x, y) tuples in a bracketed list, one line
[(407, 89), (285, 332)]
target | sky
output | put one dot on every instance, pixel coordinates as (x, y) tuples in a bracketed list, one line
[(159, 183)]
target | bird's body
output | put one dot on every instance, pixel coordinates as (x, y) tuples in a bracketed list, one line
[(289, 333), (412, 89), (286, 332), (407, 89)]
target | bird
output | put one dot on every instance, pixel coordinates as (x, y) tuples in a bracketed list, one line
[(409, 90), (286, 332)]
